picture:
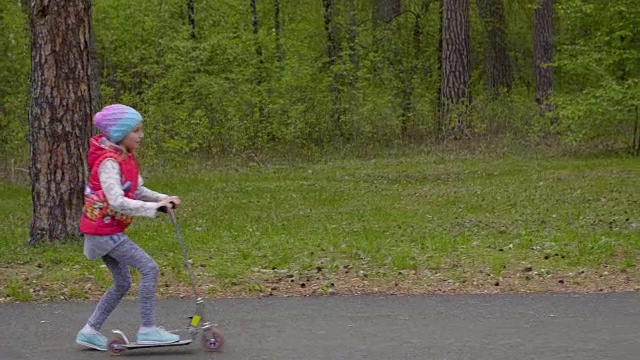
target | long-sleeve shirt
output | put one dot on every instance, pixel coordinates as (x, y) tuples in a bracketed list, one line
[(109, 174), (96, 246)]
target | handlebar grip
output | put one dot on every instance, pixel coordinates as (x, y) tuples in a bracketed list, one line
[(164, 209)]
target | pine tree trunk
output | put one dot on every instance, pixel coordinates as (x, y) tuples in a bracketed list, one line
[(543, 56), (95, 71), (497, 65), (456, 64), (59, 115)]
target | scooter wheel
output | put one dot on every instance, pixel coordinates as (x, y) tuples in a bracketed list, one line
[(116, 345), (212, 340)]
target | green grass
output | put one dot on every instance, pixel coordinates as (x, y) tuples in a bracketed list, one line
[(455, 219)]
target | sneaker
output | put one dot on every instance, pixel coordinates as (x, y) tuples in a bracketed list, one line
[(95, 341), (157, 336)]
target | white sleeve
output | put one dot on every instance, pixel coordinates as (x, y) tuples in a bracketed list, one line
[(109, 174), (147, 194)]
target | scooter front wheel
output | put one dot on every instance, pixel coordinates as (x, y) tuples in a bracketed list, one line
[(212, 340), (115, 345)]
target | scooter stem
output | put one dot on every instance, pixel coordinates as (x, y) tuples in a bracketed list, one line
[(187, 262)]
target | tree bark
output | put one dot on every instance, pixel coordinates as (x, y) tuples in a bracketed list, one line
[(59, 115), (496, 64), (456, 63), (95, 72), (543, 55)]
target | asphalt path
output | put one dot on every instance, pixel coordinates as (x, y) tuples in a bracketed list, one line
[(479, 327)]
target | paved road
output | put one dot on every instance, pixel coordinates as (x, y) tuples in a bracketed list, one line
[(479, 327)]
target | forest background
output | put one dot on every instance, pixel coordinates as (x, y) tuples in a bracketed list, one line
[(290, 78)]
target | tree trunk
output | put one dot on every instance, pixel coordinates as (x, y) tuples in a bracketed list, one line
[(256, 28), (331, 30), (384, 11), (278, 31), (333, 53), (191, 14), (59, 115), (456, 64), (543, 55), (352, 39), (95, 72), (410, 71), (497, 65), (260, 75), (439, 121), (352, 34)]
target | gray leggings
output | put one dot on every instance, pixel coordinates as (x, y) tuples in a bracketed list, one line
[(118, 260)]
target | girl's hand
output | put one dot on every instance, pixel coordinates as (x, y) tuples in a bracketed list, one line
[(175, 200), (166, 204)]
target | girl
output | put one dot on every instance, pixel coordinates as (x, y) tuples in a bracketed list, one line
[(113, 197)]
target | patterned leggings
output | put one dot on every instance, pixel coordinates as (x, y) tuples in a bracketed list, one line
[(118, 260)]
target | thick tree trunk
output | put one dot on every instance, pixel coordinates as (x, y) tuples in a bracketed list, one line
[(95, 72), (543, 55), (456, 63), (59, 116), (497, 65)]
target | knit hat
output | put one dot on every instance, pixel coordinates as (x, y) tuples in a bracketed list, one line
[(116, 121)]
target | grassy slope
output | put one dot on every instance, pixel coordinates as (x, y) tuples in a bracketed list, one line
[(413, 224)]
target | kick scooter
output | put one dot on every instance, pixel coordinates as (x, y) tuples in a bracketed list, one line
[(211, 338)]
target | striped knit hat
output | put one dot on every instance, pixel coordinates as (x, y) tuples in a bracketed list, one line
[(116, 121)]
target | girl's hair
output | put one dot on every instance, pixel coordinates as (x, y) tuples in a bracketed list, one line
[(124, 150)]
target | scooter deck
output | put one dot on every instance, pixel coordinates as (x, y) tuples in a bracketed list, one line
[(134, 345)]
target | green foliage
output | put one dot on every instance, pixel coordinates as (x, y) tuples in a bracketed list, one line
[(227, 91), (598, 72), (14, 79)]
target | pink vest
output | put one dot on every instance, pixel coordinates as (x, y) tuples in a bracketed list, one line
[(98, 218)]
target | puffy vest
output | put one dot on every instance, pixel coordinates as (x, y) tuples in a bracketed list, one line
[(98, 218)]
